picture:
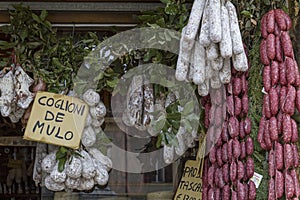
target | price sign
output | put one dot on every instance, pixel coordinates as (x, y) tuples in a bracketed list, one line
[(56, 119), (190, 186)]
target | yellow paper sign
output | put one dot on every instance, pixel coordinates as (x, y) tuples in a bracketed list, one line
[(190, 186), (56, 119)]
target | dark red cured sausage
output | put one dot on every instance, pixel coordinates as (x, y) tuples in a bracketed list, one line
[(267, 138), (247, 125), (210, 194), (280, 20), (274, 73), (243, 150), (230, 105), (217, 194), (296, 182), (274, 101), (282, 73), (271, 21), (290, 70), (271, 189), (233, 127), (279, 184), (218, 116), (211, 173), (237, 106), (242, 133), (241, 191), (297, 75), (295, 155), (276, 30), (212, 155), (236, 86), (240, 170), (260, 135), (289, 186), (249, 146), (225, 172), (233, 171), (204, 193), (297, 101), (236, 149), (234, 195), (282, 97), (205, 172), (279, 122), (286, 128), (226, 193), (224, 153), (245, 103), (278, 49), (217, 135), (278, 156), (229, 148), (266, 106), (267, 78), (288, 21), (289, 104), (251, 190), (271, 46), (273, 129), (224, 133), (263, 26), (288, 156), (286, 44), (244, 83), (219, 156), (221, 182), (249, 167), (263, 53), (271, 163), (294, 137)]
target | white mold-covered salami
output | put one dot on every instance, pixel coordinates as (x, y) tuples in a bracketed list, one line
[(49, 162), (135, 100), (225, 72), (101, 177), (88, 137), (16, 113), (86, 184), (88, 168), (148, 104), (7, 93), (97, 123), (217, 63), (212, 51), (180, 149), (52, 185), (215, 81), (182, 66), (203, 89), (215, 28), (98, 111), (204, 36), (98, 155), (22, 82), (236, 38), (199, 64), (194, 20), (127, 119), (57, 176), (72, 183), (240, 62), (74, 168), (91, 97), (168, 154), (226, 42), (88, 120)]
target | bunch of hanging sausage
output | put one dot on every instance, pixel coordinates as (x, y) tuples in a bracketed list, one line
[(209, 42), (229, 166), (278, 132)]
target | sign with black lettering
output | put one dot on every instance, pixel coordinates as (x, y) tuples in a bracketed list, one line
[(190, 186), (56, 119)]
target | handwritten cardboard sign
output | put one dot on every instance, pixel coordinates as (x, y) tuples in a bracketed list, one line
[(190, 186), (56, 119)]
